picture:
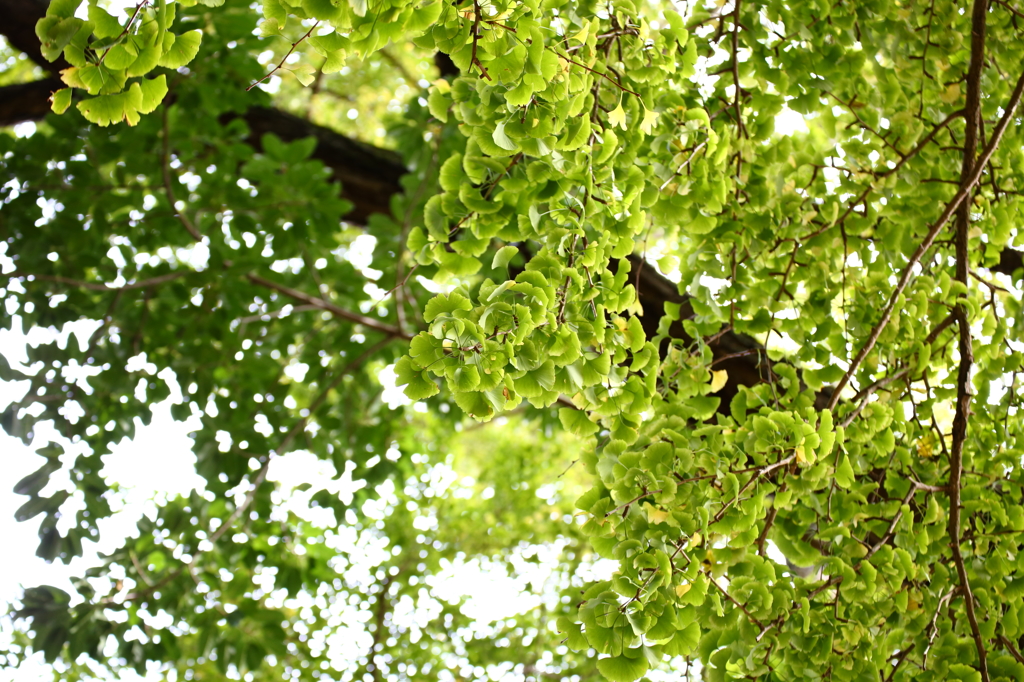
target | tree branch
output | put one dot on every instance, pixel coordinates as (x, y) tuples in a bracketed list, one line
[(384, 327), (963, 382), (100, 286), (26, 101), (165, 169), (947, 213)]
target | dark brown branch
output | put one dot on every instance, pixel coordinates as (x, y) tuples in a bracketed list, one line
[(1009, 262), (380, 613), (19, 27), (370, 322), (368, 175), (99, 286), (26, 101), (280, 64), (963, 381), (1011, 648)]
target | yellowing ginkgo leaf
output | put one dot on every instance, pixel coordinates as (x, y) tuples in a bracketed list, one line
[(682, 589), (951, 94), (801, 456), (718, 380), (60, 100), (617, 116), (650, 120), (582, 34), (655, 515)]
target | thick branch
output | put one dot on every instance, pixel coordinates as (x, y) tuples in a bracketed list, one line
[(963, 381), (19, 27), (26, 101), (368, 175)]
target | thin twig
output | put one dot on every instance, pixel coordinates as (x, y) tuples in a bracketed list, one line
[(598, 73), (947, 213), (280, 64), (473, 60), (388, 329), (933, 626), (1011, 648), (168, 185), (100, 286), (866, 393), (728, 596), (117, 40)]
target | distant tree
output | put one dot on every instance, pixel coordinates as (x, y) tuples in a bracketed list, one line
[(806, 456)]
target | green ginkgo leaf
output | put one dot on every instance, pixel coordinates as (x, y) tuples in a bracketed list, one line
[(182, 49), (503, 256), (60, 100), (624, 668), (502, 139)]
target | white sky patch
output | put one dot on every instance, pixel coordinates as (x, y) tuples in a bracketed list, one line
[(302, 467), (393, 396), (491, 593), (360, 252), (25, 129), (789, 122)]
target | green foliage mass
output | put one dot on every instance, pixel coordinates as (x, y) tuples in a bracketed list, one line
[(853, 512)]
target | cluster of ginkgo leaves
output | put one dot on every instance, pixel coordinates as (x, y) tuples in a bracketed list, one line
[(104, 52), (596, 130)]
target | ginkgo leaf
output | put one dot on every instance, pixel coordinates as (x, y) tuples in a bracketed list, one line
[(582, 35), (443, 304), (182, 50), (698, 115), (107, 109), (844, 473), (719, 378), (624, 668), (576, 421), (103, 24), (951, 94), (503, 256), (153, 92), (649, 121), (617, 116), (304, 73), (503, 140), (121, 56), (60, 100)]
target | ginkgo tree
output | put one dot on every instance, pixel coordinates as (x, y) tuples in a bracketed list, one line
[(805, 457)]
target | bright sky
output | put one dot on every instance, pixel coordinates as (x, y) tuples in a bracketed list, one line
[(159, 463)]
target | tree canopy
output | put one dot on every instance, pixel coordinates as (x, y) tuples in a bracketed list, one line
[(771, 375)]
